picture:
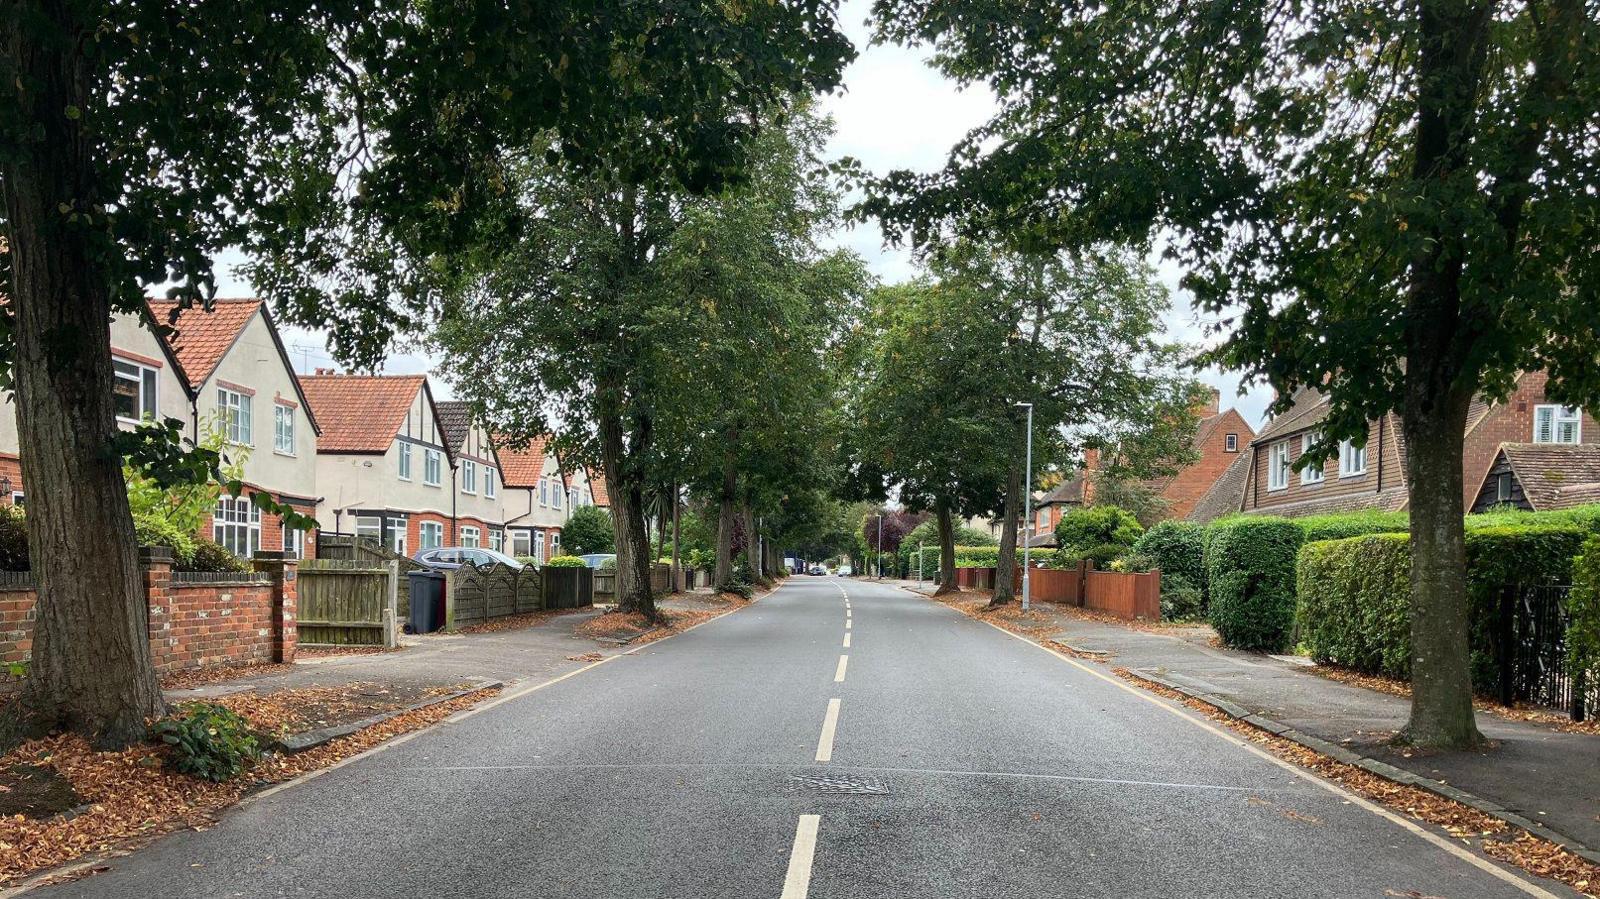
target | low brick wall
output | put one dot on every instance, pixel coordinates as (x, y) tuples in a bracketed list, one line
[(195, 620)]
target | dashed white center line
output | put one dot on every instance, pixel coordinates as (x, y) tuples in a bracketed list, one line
[(830, 724), (846, 641), (838, 674), (847, 624), (797, 883)]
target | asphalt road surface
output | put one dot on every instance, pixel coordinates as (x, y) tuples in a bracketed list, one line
[(836, 739)]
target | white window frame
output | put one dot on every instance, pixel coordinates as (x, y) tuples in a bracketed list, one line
[(430, 535), (283, 429), (470, 536), (294, 542), (1559, 417), (1503, 487), (1231, 443), (497, 540), (366, 530), (555, 543), (538, 546), (469, 476), (557, 493), (1311, 474), (521, 534), (403, 460), (146, 381), (544, 492), (237, 412), (491, 487), (1278, 466), (432, 467), (1352, 460), (236, 524)]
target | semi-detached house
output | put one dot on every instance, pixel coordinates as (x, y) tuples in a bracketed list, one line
[(384, 464), (226, 369), (477, 517)]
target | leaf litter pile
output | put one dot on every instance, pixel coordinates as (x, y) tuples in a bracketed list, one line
[(1494, 837), (130, 797), (634, 628), (1396, 687)]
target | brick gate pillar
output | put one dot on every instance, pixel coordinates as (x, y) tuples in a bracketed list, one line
[(285, 601)]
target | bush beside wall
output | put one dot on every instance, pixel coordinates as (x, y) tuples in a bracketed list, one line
[(1250, 567), (1177, 548)]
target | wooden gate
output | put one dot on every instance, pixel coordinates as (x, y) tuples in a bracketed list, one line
[(348, 603)]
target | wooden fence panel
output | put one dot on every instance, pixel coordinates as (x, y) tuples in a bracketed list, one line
[(342, 602), (466, 591), (529, 592), (501, 586), (1125, 595)]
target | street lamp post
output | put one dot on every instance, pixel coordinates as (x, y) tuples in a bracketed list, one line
[(1027, 500)]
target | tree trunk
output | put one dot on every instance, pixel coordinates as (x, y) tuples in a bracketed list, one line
[(752, 544), (947, 552), (627, 521), (91, 670), (726, 512), (1441, 665), (1005, 568)]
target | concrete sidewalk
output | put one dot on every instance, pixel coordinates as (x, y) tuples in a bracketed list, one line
[(1538, 772)]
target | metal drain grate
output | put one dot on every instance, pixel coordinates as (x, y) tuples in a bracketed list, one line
[(838, 784)]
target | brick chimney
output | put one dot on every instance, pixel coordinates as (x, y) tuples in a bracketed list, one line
[(1091, 469), (1206, 409)]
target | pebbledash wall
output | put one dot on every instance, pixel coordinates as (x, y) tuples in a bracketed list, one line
[(196, 620)]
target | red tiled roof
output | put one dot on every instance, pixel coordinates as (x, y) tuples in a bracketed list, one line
[(200, 338), (597, 488), (520, 466), (360, 413)]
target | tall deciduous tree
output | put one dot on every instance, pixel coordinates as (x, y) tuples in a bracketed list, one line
[(138, 140), (1395, 203)]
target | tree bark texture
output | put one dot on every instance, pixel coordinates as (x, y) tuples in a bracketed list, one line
[(947, 551), (727, 509), (91, 670), (1005, 569), (627, 521)]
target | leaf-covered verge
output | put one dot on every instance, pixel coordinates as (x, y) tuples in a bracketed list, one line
[(133, 797)]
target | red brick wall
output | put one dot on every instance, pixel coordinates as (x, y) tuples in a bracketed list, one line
[(10, 468), (454, 539), (551, 547), (1509, 422), (1190, 484), (414, 531), (191, 625)]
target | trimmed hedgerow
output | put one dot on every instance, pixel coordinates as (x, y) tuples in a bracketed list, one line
[(1177, 548), (1353, 524), (1354, 594), (1354, 603), (1093, 526), (1250, 568), (565, 562), (1583, 607)]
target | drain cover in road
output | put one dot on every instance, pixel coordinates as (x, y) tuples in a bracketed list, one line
[(839, 784)]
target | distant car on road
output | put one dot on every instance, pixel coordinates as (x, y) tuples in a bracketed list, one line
[(446, 558), (817, 570), (598, 560)]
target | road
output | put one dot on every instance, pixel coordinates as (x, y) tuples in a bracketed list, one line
[(750, 758)]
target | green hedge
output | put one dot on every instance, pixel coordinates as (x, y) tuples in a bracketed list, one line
[(1094, 526), (1583, 605), (1352, 524), (1177, 548), (1354, 594), (1250, 567)]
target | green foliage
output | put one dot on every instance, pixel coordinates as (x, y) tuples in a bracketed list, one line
[(1583, 611), (158, 531), (588, 530), (565, 562), (1352, 524), (208, 555), (13, 539), (1178, 549), (528, 560), (1355, 603), (1102, 555), (1180, 599), (1250, 570), (208, 741), (1096, 526)]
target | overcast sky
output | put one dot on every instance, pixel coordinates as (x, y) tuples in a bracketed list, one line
[(895, 112)]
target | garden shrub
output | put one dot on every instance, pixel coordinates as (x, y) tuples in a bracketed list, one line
[(1354, 605), (208, 555), (1250, 568), (1096, 526), (565, 562), (1353, 524), (154, 530), (1583, 608), (13, 539), (528, 560), (1102, 555), (1180, 599), (1178, 549), (208, 741)]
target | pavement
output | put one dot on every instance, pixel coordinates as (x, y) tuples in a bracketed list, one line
[(1535, 771), (835, 739)]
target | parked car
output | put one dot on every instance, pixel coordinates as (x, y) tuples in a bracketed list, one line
[(598, 560), (448, 557)]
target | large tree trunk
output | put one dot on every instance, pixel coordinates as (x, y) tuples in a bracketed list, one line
[(752, 541), (91, 670), (627, 521), (947, 552), (1005, 568), (1441, 670), (727, 510)]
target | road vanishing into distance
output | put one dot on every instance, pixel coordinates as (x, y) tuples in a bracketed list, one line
[(835, 739)]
